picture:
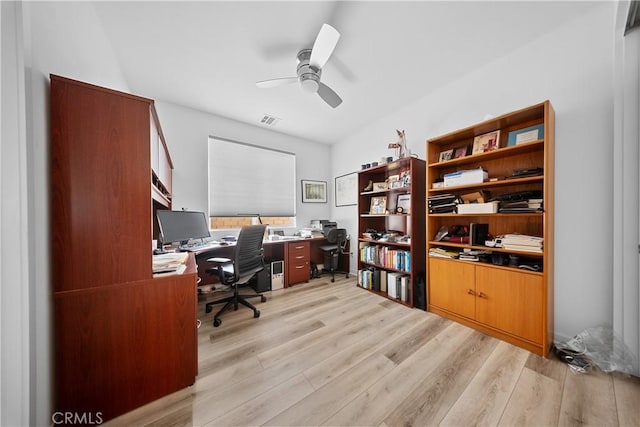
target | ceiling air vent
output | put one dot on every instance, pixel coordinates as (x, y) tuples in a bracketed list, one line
[(269, 120)]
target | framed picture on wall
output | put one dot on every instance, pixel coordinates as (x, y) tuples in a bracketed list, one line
[(347, 189), (314, 191)]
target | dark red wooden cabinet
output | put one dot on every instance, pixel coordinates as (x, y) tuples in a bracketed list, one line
[(122, 338)]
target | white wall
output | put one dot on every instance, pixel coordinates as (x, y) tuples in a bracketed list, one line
[(187, 131), (572, 67)]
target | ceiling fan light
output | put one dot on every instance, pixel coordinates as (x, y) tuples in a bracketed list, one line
[(309, 85)]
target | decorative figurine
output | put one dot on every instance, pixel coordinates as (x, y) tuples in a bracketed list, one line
[(400, 145)]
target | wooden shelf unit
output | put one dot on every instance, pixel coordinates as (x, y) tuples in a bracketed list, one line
[(504, 301), (411, 224), (122, 337)]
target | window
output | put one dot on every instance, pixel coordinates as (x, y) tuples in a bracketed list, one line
[(246, 181)]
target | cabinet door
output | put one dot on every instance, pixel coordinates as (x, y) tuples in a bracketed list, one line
[(511, 301), (452, 286)]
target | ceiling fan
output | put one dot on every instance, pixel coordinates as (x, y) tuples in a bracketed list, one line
[(310, 63)]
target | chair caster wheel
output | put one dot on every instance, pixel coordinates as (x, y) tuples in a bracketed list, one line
[(263, 298), (208, 309), (333, 280), (217, 322), (256, 314)]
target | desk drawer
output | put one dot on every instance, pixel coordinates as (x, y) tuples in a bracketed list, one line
[(298, 255), (299, 251), (299, 272)]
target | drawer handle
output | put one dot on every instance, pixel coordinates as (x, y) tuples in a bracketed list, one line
[(300, 266), (300, 257), (300, 247)]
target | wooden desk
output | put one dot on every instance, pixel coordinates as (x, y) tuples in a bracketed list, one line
[(134, 343), (275, 250)]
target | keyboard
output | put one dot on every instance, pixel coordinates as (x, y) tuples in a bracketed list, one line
[(202, 246)]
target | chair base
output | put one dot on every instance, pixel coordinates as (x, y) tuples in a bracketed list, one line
[(233, 301), (333, 272)]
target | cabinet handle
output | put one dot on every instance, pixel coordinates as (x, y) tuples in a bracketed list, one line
[(470, 292), (299, 267), (299, 247), (482, 295), (300, 257)]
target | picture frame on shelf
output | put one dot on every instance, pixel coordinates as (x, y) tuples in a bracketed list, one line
[(486, 142), (460, 152), (380, 186), (393, 181), (378, 205), (403, 204), (314, 191), (445, 155)]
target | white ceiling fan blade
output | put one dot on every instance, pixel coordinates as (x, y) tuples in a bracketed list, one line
[(328, 95), (276, 82), (324, 45)]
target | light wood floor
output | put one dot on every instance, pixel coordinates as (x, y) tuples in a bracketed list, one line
[(333, 354)]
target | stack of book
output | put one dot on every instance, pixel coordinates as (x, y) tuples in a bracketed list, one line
[(443, 253), (443, 203), (522, 242), (527, 205)]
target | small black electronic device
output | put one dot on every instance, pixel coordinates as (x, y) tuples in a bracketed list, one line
[(328, 226), (182, 226)]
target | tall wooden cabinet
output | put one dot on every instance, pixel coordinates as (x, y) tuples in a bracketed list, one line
[(498, 294), (121, 337), (391, 240)]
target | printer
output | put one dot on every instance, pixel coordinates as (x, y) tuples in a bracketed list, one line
[(328, 226)]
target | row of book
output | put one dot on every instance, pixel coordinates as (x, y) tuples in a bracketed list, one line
[(385, 256), (395, 285)]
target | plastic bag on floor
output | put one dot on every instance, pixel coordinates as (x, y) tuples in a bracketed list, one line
[(598, 346)]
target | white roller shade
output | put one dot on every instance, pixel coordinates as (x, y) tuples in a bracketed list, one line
[(245, 179)]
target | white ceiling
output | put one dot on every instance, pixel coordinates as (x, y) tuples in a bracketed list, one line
[(208, 55)]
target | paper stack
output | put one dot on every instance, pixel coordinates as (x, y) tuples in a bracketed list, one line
[(522, 242)]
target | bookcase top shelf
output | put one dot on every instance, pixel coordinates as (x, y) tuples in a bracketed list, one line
[(495, 154)]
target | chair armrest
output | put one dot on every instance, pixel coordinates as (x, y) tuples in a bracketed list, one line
[(219, 261), (219, 267)]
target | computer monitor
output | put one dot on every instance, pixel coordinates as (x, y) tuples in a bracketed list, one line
[(182, 226)]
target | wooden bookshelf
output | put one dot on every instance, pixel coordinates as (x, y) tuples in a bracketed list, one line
[(391, 226), (505, 301)]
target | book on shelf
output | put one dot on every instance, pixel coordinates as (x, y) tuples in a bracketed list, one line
[(393, 281)]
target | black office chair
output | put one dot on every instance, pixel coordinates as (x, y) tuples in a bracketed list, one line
[(247, 261), (337, 239)]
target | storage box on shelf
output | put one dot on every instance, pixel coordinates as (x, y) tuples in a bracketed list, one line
[(508, 291), (391, 231)]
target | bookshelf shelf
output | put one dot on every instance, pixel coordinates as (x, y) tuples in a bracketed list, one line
[(410, 172), (497, 294)]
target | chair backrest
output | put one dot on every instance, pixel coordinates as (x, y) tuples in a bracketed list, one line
[(339, 237), (248, 251)]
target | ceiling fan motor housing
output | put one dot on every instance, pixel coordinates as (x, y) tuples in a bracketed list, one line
[(308, 75)]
